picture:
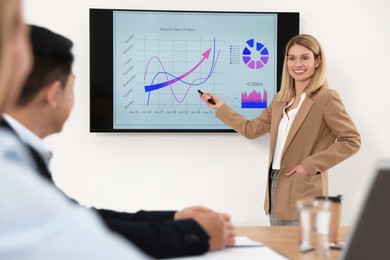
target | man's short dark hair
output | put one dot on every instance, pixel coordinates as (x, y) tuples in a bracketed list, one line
[(53, 61)]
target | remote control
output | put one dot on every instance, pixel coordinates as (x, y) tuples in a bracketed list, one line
[(211, 101)]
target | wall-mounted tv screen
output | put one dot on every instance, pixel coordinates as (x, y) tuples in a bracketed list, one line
[(147, 66)]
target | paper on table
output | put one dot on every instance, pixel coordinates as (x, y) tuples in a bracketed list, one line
[(244, 249), (245, 241)]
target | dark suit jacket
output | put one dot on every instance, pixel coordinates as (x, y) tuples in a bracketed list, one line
[(155, 232)]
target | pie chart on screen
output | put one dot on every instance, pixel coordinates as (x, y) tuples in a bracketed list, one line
[(255, 55)]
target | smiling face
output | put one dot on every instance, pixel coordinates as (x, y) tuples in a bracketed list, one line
[(302, 63)]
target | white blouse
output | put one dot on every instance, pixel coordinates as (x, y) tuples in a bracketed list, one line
[(284, 128)]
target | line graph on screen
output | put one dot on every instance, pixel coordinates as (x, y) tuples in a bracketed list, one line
[(176, 83)]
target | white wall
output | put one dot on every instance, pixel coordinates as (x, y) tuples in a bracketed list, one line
[(132, 171)]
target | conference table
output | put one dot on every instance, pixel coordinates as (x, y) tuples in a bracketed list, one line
[(285, 240)]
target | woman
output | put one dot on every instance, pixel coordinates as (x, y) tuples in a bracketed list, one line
[(15, 51), (309, 128), (36, 221)]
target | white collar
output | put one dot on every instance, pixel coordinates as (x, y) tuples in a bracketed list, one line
[(30, 138), (295, 110), (303, 96)]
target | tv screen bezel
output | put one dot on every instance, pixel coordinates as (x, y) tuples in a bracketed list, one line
[(101, 64)]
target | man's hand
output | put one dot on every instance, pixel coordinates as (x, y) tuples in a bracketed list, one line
[(191, 212), (219, 228)]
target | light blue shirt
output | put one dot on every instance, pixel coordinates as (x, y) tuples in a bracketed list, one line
[(38, 222), (28, 137)]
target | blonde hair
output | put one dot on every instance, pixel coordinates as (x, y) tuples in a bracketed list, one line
[(9, 19), (318, 80)]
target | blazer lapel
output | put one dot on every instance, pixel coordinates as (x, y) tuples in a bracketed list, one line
[(40, 163), (42, 168), (300, 117)]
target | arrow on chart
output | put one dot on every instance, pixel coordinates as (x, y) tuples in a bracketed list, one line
[(150, 88)]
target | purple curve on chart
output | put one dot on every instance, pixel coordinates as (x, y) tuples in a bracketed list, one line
[(168, 82)]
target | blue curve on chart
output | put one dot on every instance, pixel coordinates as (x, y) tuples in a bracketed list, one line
[(213, 64)]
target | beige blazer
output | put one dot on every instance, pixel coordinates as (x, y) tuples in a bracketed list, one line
[(321, 136)]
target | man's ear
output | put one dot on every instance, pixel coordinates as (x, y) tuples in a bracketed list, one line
[(52, 91)]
